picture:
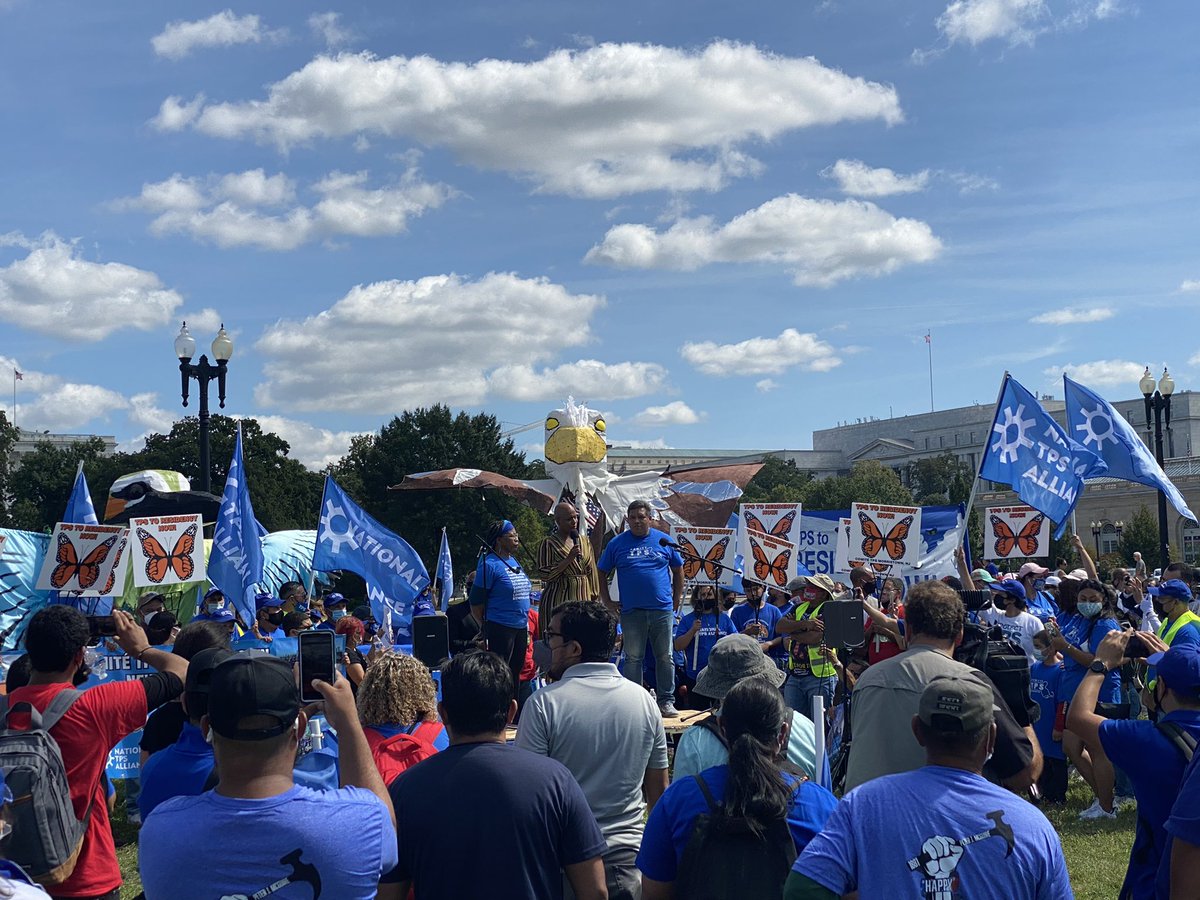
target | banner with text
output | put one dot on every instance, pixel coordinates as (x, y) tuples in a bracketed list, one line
[(81, 558), (771, 561), (167, 550), (707, 555), (779, 520), (843, 562), (1015, 531), (885, 534)]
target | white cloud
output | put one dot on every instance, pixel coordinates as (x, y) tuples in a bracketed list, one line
[(976, 21), (328, 27), (223, 29), (174, 113), (534, 450), (599, 122), (588, 379), (146, 415), (676, 413), (1101, 373), (397, 344), (315, 447), (255, 209), (860, 180), (970, 183), (766, 385), (45, 402), (1074, 316), (203, 321), (761, 355), (819, 241), (1194, 360), (55, 291), (1191, 286), (652, 444)]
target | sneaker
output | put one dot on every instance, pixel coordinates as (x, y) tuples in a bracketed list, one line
[(1095, 811), (668, 710)]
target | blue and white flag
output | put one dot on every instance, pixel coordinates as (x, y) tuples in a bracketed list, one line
[(236, 562), (79, 505), (445, 570), (1031, 452), (1093, 421), (349, 539)]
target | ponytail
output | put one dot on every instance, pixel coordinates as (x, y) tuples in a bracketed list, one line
[(753, 713)]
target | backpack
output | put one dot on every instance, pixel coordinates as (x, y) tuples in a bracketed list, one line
[(1181, 740), (46, 836), (1004, 663), (724, 858), (395, 755)]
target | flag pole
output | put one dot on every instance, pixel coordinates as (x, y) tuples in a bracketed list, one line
[(14, 421), (929, 345), (982, 455)]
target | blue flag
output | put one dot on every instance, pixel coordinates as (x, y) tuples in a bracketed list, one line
[(1031, 452), (445, 570), (236, 562), (349, 539), (1098, 426), (79, 505)]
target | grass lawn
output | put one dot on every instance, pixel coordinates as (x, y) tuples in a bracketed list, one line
[(1097, 852)]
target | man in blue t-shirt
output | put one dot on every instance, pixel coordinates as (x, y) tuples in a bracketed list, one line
[(1179, 871), (1045, 681), (941, 831), (1145, 750), (269, 609), (649, 574), (758, 618), (529, 819), (265, 830)]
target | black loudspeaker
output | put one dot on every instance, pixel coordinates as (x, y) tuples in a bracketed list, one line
[(431, 639), (843, 623)]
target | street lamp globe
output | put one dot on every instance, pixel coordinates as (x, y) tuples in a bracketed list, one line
[(185, 344), (1166, 384), (222, 346), (1146, 385)]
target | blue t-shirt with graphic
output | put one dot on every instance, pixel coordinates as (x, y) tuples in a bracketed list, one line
[(1043, 606), (505, 591), (713, 627), (937, 832), (1155, 768), (670, 824), (1184, 823), (743, 614), (1044, 683), (643, 569), (1075, 629)]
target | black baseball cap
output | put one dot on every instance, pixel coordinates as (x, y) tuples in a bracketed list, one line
[(261, 689), (199, 679)]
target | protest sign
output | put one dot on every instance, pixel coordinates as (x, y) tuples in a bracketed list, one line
[(81, 558), (779, 520), (167, 550), (1015, 531), (772, 561), (889, 535), (707, 555)]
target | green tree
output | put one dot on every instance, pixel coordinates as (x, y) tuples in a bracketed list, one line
[(8, 439), (425, 440), (41, 486), (869, 481), (940, 480), (778, 481), (1141, 534)]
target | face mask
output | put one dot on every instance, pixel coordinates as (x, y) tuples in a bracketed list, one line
[(275, 618), (213, 607), (811, 594), (1039, 584), (337, 614), (869, 587), (1159, 609), (1090, 609), (542, 655)]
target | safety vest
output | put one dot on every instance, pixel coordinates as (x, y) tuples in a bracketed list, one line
[(817, 664), (1168, 630)]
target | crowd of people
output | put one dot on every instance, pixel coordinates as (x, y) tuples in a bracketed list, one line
[(536, 761)]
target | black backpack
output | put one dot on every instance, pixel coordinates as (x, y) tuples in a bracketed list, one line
[(724, 858), (1004, 663)]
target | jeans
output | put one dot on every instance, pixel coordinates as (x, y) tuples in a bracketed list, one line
[(657, 626), (800, 688), (621, 873)]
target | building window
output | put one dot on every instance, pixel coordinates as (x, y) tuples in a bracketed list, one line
[(941, 441), (926, 443), (956, 439), (1191, 543), (1110, 540), (972, 437)]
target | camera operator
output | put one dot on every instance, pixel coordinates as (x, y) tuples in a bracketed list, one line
[(1148, 752)]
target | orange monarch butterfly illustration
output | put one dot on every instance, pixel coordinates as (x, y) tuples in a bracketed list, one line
[(112, 574), (765, 570), (874, 541), (159, 561), (692, 560), (780, 529), (69, 565), (1026, 539)]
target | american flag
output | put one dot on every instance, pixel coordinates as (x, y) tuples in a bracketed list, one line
[(927, 338), (18, 376)]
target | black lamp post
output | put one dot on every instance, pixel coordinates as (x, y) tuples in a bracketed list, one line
[(1097, 527), (1159, 401), (204, 372)]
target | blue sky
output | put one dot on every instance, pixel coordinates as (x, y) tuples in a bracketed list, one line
[(724, 228)]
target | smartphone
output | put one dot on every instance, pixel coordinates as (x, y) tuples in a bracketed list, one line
[(316, 661), (102, 626)]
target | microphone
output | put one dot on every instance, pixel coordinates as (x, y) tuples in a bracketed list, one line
[(667, 542), (574, 534)]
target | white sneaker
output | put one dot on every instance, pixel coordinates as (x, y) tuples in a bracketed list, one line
[(1095, 811)]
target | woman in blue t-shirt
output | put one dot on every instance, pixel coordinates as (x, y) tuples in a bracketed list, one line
[(500, 598), (774, 805), (694, 638)]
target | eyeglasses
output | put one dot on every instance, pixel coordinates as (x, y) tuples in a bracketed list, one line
[(547, 634)]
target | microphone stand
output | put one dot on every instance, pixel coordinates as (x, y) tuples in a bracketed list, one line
[(487, 550)]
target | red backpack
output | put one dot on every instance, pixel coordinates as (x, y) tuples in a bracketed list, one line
[(396, 754)]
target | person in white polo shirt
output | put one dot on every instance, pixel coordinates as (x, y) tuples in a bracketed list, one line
[(604, 728)]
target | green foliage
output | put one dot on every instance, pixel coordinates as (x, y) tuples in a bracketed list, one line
[(940, 480), (869, 481), (425, 440), (41, 485), (1141, 534), (778, 481), (8, 439)]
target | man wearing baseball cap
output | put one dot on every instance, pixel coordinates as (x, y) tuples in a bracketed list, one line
[(733, 658), (891, 838), (1149, 752), (263, 829), (269, 609), (1018, 625), (812, 667)]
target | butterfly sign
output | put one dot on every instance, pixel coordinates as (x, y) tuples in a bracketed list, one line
[(843, 562), (1015, 531), (166, 550), (779, 520), (771, 561), (885, 535), (81, 557), (707, 555)]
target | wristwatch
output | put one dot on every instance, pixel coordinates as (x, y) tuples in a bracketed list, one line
[(1098, 667)]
